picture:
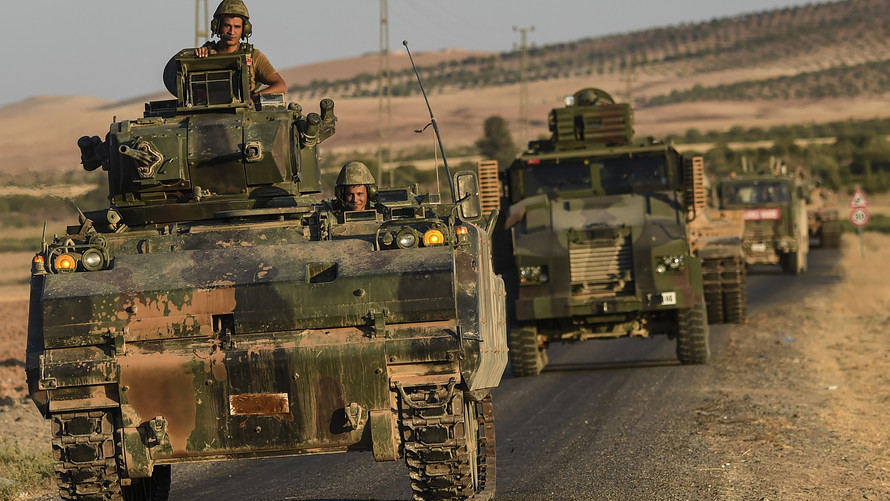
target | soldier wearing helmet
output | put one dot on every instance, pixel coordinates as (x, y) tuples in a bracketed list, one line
[(231, 22), (356, 187)]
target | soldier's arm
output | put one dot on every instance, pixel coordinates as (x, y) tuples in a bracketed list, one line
[(275, 85)]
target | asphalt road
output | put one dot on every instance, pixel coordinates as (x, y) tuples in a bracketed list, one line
[(607, 420)]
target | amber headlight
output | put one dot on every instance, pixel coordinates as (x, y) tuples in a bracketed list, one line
[(65, 263), (433, 237)]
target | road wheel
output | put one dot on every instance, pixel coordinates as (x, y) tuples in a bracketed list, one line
[(528, 356), (154, 488), (692, 336), (449, 446)]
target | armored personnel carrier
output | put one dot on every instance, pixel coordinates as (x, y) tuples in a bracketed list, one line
[(597, 244), (217, 310), (774, 209)]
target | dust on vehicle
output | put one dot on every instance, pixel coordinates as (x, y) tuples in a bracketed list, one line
[(217, 310), (595, 243), (773, 205)]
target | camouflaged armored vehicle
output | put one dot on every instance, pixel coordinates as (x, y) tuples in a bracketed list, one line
[(774, 209), (597, 244), (216, 310)]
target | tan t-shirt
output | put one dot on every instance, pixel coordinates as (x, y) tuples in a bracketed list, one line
[(263, 71)]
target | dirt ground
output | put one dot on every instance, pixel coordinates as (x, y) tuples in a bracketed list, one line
[(799, 410)]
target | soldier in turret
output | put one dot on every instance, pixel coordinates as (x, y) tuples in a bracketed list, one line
[(231, 22), (355, 187)]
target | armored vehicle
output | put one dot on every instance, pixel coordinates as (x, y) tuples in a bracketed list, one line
[(218, 310), (597, 244), (775, 215)]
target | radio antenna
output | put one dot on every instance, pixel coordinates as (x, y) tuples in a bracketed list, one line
[(432, 121)]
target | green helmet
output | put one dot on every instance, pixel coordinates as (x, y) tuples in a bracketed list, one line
[(355, 173), (231, 8)]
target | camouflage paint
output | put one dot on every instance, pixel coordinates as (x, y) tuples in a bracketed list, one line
[(232, 316)]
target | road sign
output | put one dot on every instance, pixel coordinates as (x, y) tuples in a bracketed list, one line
[(858, 201), (859, 217)]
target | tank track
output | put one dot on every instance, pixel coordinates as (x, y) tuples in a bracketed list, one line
[(830, 234), (439, 457), (85, 456), (724, 285)]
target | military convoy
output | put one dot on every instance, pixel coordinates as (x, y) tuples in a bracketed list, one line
[(216, 310), (597, 241), (773, 205)]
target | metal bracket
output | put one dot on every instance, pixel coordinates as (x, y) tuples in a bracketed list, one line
[(156, 431), (379, 322), (353, 416), (436, 404)]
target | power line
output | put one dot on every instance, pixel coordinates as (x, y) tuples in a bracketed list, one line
[(523, 82), (202, 24)]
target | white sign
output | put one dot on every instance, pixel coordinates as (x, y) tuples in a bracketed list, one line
[(858, 201), (859, 217)]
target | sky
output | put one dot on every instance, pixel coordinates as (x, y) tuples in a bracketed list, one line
[(116, 49)]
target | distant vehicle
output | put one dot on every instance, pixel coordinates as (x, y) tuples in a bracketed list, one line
[(595, 243), (216, 310), (775, 214), (823, 220)]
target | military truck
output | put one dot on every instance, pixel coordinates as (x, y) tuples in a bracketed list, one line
[(823, 220), (217, 310), (595, 237), (773, 205)]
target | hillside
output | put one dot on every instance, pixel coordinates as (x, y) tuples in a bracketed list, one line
[(812, 64)]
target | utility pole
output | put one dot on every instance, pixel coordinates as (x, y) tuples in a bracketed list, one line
[(384, 102), (523, 82), (202, 25)]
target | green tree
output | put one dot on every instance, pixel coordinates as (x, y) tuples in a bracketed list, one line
[(496, 142)]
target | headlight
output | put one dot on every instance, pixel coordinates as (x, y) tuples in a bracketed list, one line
[(407, 239), (530, 275), (65, 263), (675, 262), (433, 237), (92, 260)]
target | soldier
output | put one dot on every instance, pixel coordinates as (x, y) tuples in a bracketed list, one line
[(231, 22), (356, 187)]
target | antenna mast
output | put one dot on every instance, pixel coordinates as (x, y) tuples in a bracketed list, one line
[(432, 121)]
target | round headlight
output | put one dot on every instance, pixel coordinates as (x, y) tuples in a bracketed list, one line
[(92, 260), (65, 263), (407, 239), (433, 237)]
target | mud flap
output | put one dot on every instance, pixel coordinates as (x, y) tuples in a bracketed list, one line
[(136, 461), (384, 437)]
